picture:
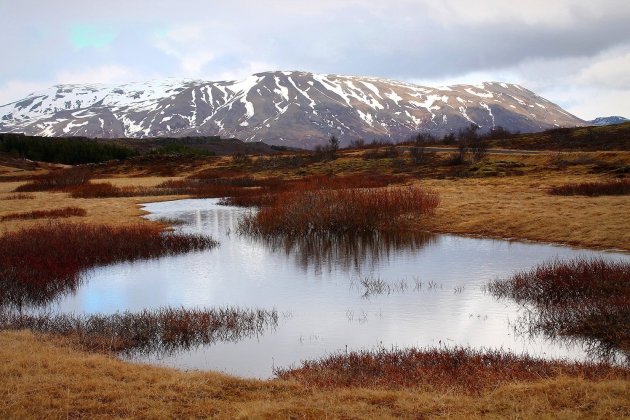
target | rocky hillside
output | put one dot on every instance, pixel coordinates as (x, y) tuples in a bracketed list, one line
[(283, 108)]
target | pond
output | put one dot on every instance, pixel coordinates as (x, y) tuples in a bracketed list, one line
[(331, 294)]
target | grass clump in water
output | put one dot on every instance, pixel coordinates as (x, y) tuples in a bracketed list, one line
[(160, 331), (41, 262), (340, 211), (585, 299), (459, 368)]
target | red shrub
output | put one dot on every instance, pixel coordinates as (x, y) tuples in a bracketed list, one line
[(594, 189), (44, 214), (340, 211), (57, 179), (445, 369), (39, 262)]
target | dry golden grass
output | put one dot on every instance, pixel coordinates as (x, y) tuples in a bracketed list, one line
[(59, 382), (115, 211), (521, 208)]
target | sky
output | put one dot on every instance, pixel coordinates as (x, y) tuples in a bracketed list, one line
[(575, 53)]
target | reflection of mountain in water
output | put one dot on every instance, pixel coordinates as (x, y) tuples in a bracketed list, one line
[(349, 251)]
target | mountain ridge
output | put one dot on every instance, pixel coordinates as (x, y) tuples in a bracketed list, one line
[(289, 108), (611, 120)]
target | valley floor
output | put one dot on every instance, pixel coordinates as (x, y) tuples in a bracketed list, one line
[(45, 377)]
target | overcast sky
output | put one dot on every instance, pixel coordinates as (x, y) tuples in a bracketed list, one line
[(574, 52)]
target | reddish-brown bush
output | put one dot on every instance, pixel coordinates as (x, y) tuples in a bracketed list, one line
[(585, 299), (340, 211), (20, 196), (38, 263), (594, 189), (46, 214), (57, 179), (270, 188), (445, 369)]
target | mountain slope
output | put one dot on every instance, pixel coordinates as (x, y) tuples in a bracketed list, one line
[(285, 108), (608, 120)]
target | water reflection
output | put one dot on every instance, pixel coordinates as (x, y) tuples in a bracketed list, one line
[(347, 252), (440, 302)]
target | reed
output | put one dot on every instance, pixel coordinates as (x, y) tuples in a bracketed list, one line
[(160, 331), (46, 214), (38, 264), (594, 189), (340, 211), (459, 368)]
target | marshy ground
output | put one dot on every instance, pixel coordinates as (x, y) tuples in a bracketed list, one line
[(502, 196)]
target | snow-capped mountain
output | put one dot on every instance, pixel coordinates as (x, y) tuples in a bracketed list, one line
[(609, 120), (283, 108)]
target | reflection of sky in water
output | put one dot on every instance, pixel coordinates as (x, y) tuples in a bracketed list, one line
[(318, 293)]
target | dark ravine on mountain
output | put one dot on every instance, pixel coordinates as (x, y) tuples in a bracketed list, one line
[(282, 108)]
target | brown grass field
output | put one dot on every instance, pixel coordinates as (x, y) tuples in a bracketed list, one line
[(504, 196), (56, 381)]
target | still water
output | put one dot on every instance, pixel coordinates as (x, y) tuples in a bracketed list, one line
[(430, 295)]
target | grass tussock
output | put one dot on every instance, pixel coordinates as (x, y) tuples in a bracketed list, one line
[(270, 191), (594, 189), (39, 263), (46, 214), (20, 196), (340, 211), (160, 331), (108, 190), (57, 179), (459, 368), (586, 299)]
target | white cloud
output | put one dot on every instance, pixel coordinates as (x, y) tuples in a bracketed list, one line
[(530, 12), (603, 104), (111, 73), (188, 45), (14, 90), (611, 71)]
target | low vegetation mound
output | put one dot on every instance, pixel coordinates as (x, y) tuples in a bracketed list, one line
[(594, 189), (585, 299), (160, 331), (46, 214), (57, 180), (457, 368), (340, 211), (39, 263)]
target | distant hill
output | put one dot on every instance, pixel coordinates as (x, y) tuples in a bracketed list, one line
[(594, 138), (78, 150), (609, 120), (282, 108)]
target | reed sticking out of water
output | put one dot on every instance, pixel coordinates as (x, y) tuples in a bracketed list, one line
[(585, 299), (458, 368), (39, 263), (340, 211), (160, 331), (46, 214), (377, 286), (594, 189)]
